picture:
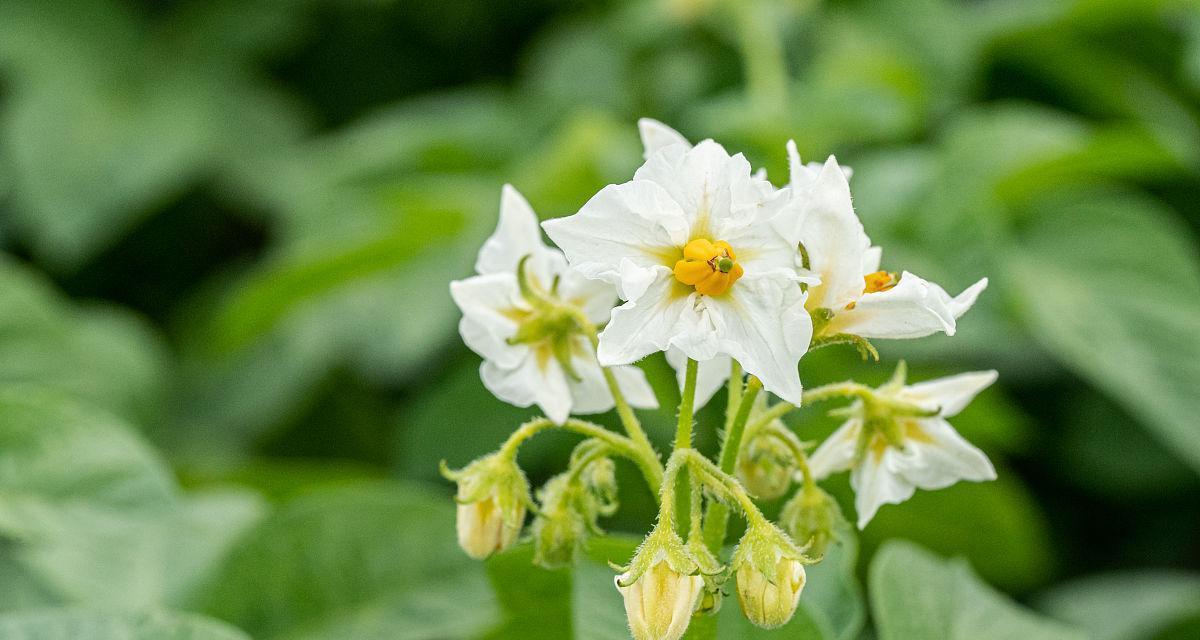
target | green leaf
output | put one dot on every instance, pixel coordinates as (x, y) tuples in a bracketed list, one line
[(915, 594), (67, 624), (365, 561), (100, 354), (1125, 606), (537, 602), (832, 594), (1109, 283), (89, 514)]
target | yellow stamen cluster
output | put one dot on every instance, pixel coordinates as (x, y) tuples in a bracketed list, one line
[(879, 281), (709, 266), (876, 282)]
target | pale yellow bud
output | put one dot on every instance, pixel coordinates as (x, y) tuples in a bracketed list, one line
[(483, 528), (660, 604), (770, 605)]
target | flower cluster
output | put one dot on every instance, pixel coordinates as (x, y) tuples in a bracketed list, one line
[(735, 280)]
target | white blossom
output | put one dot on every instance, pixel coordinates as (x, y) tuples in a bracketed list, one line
[(692, 246), (863, 300), (561, 377), (921, 452)]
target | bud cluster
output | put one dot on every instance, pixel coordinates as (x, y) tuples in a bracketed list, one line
[(571, 503)]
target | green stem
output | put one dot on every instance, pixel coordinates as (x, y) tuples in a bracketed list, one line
[(649, 462), (735, 392), (722, 482), (620, 445), (797, 448), (765, 418), (687, 403), (717, 520)]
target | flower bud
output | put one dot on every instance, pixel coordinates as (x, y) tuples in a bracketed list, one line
[(812, 517), (769, 599), (662, 587), (765, 467), (770, 575), (492, 498), (560, 529), (660, 603)]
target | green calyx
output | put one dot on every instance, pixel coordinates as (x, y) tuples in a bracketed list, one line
[(571, 504), (813, 519), (551, 324), (495, 476)]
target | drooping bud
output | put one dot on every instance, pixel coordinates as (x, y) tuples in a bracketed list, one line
[(492, 497), (770, 575), (660, 604), (662, 587), (766, 466), (813, 518)]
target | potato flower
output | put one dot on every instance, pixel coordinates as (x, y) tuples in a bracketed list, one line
[(534, 351)]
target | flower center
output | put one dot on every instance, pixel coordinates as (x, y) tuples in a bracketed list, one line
[(709, 266)]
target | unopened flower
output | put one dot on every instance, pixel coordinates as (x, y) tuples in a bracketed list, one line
[(691, 246), (662, 587), (533, 350), (854, 297), (766, 463), (902, 442), (492, 498), (813, 518), (770, 575)]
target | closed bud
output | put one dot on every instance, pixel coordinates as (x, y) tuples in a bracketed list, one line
[(770, 576), (766, 466), (662, 587), (812, 517), (660, 603), (560, 529), (492, 498)]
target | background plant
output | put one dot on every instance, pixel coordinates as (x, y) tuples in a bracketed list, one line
[(229, 359)]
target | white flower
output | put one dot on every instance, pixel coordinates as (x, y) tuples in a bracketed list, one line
[(919, 452), (559, 373), (863, 300), (692, 248)]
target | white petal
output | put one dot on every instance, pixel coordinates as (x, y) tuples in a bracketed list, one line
[(761, 248), (490, 344), (912, 309), (516, 235), (876, 483), (710, 186), (648, 323), (711, 375), (804, 175), (837, 452), (656, 135), (530, 383), (595, 297), (637, 221), (834, 239), (959, 304), (944, 459), (635, 386), (763, 325), (951, 394), (487, 302), (871, 260)]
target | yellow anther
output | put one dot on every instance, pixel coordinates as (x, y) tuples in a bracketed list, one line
[(879, 281), (709, 266)]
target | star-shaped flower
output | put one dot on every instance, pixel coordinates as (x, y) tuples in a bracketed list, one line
[(898, 440), (691, 245), (854, 297), (537, 355)]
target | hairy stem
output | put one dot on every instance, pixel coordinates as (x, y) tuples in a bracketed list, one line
[(717, 520)]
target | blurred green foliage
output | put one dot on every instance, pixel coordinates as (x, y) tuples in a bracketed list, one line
[(229, 363)]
